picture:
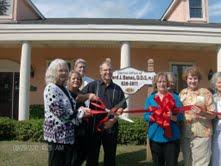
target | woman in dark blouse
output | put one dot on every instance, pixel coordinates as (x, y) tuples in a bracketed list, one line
[(74, 84)]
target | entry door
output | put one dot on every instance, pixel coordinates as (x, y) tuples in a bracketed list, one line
[(178, 70), (9, 94)]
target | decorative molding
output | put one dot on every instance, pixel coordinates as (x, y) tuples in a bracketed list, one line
[(7, 65), (110, 33)]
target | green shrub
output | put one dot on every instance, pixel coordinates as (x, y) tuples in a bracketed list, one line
[(36, 111), (7, 128), (21, 130), (129, 133), (132, 133), (29, 130)]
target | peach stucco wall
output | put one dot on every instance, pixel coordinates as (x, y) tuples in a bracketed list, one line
[(162, 60), (24, 11), (179, 13), (94, 56)]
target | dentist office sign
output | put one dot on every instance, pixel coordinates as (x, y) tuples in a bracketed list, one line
[(131, 80)]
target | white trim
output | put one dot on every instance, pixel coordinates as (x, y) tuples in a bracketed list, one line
[(179, 63), (7, 65), (218, 58), (3, 17), (116, 33), (168, 11), (9, 17)]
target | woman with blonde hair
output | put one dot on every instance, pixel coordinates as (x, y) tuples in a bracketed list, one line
[(163, 128), (81, 134)]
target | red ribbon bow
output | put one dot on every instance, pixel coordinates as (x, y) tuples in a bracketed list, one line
[(161, 114)]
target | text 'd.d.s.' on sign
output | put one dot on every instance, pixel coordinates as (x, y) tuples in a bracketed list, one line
[(131, 80)]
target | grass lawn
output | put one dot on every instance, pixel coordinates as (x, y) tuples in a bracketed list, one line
[(14, 153)]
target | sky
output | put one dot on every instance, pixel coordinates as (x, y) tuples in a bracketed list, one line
[(141, 9)]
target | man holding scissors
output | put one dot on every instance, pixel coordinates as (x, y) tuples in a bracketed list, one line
[(104, 133)]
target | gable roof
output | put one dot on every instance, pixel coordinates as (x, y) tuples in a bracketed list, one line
[(35, 9), (171, 6)]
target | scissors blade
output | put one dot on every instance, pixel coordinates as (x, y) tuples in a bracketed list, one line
[(125, 118), (120, 104)]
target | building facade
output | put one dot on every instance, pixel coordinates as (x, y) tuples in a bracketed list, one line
[(29, 41)]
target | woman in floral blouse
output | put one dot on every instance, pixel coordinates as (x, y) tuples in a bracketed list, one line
[(197, 127)]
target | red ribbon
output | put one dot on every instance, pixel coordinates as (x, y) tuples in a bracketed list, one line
[(161, 114)]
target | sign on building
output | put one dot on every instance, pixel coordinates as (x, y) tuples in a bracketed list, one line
[(131, 80)]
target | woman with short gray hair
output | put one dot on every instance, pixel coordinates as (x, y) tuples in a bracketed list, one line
[(60, 115), (216, 143)]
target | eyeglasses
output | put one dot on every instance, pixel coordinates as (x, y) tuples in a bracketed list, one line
[(161, 82)]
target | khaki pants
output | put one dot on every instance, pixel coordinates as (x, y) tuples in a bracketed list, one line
[(196, 151)]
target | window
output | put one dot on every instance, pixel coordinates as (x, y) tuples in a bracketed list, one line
[(178, 69), (6, 7), (195, 8)]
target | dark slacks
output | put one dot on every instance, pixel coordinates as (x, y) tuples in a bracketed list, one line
[(81, 145), (109, 142), (60, 154), (165, 154)]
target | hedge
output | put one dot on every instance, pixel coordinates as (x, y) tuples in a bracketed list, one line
[(132, 133), (32, 130), (36, 111), (7, 129), (21, 130)]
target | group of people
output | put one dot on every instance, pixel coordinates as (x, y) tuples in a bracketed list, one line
[(187, 121), (70, 128)]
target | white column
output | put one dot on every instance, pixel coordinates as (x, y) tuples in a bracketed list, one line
[(24, 84), (125, 55), (125, 62), (219, 58)]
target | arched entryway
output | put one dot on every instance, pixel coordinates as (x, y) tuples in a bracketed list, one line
[(9, 88)]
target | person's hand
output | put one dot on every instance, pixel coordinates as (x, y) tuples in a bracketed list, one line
[(93, 97), (109, 123), (173, 117), (119, 111), (196, 109), (87, 112)]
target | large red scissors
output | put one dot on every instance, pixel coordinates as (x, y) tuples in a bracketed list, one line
[(111, 113)]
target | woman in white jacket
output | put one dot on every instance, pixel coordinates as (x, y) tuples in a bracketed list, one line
[(60, 115)]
